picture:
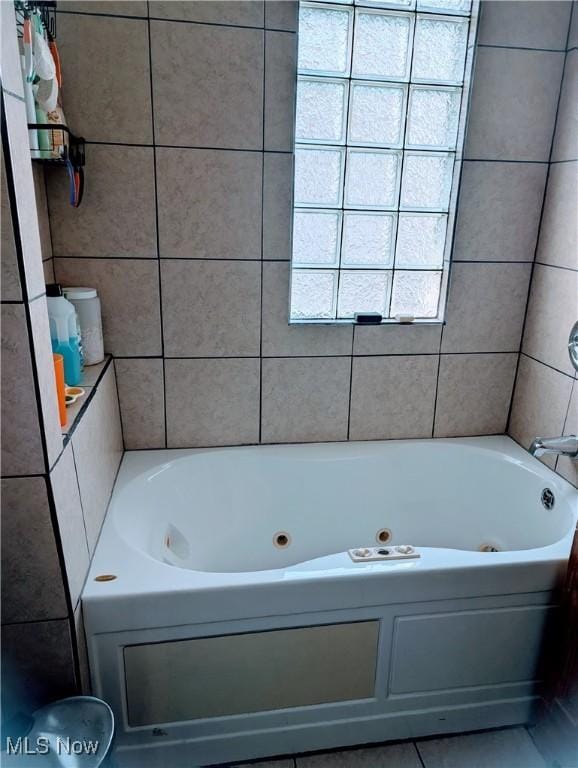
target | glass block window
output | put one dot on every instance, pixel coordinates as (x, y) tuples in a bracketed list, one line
[(382, 93)]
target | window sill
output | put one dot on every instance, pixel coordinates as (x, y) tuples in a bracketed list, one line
[(424, 321)]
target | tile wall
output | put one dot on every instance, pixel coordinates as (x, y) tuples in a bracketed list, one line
[(545, 399), (54, 488), (185, 230)]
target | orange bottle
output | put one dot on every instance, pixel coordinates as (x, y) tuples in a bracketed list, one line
[(59, 375)]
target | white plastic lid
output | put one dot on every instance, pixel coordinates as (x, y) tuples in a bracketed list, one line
[(79, 292)]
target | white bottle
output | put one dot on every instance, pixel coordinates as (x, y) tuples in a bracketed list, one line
[(87, 305)]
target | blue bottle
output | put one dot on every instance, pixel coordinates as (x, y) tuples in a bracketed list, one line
[(64, 334)]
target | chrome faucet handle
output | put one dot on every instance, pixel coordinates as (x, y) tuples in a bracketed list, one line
[(566, 445)]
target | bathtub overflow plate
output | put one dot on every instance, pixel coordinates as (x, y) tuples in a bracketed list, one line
[(371, 554)]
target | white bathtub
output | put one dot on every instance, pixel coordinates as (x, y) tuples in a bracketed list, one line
[(214, 643)]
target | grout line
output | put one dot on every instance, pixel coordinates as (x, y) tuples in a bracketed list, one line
[(351, 359), (33, 621), (547, 365), (151, 259), (433, 426), (148, 17), (502, 160), (118, 403), (491, 261), (521, 48), (200, 148), (157, 232), (420, 758), (82, 510), (63, 573), (556, 266), (315, 357), (263, 106), (221, 24), (290, 152), (560, 162)]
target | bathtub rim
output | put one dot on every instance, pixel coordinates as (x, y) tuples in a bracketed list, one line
[(146, 584)]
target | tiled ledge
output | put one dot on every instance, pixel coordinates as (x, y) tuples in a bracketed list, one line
[(91, 378)]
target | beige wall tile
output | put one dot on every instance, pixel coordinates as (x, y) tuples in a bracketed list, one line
[(282, 339), (117, 215), (277, 205), (106, 78), (44, 362), (9, 54), (209, 204), (211, 308), (23, 182), (97, 447), (566, 139), (10, 278), (281, 14), (393, 397), (573, 36), (32, 587), (552, 311), (486, 305), (42, 210), (38, 665), (217, 98), (142, 402), (247, 13), (280, 81), (566, 467), (305, 399), (70, 522), (48, 267), (474, 393), (558, 242), (394, 339), (22, 452), (539, 405), (499, 211), (129, 297), (513, 106), (525, 23), (114, 7), (212, 402)]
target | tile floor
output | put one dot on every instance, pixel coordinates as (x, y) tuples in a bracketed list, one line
[(507, 748)]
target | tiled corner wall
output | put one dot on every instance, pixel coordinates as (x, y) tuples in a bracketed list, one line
[(54, 487), (545, 399), (185, 230)]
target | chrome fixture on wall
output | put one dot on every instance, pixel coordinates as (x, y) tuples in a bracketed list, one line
[(573, 346), (563, 446)]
